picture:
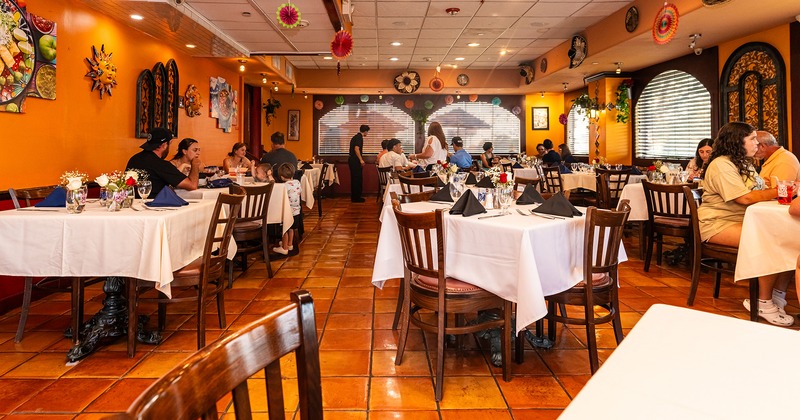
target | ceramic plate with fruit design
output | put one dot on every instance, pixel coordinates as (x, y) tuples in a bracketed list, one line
[(17, 52)]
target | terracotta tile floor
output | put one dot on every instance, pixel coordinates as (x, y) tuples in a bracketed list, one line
[(357, 352)]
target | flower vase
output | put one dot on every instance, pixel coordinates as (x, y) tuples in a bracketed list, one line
[(129, 197)]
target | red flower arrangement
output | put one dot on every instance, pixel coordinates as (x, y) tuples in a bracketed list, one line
[(503, 178)]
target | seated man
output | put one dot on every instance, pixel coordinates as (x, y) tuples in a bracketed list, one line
[(460, 158), (551, 157), (775, 160), (279, 154), (395, 158), (162, 172)]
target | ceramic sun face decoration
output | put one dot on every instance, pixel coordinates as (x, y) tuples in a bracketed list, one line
[(192, 101), (103, 72)]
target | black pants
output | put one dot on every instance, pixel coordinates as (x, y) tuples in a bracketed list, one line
[(356, 178)]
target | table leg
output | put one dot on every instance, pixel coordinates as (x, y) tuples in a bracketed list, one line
[(110, 322)]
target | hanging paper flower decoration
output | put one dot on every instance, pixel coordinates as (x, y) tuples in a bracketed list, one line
[(388, 100), (448, 99), (339, 100), (516, 110), (562, 119), (495, 101), (409, 104), (407, 82), (342, 45), (666, 24), (288, 15), (364, 98), (428, 105), (318, 105), (473, 97)]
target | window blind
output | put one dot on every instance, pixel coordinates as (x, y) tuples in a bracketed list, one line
[(479, 122), (577, 132), (672, 115), (338, 126)]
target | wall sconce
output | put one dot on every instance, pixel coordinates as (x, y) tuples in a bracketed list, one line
[(542, 94), (275, 86), (619, 67), (380, 94), (263, 78), (565, 85), (241, 65), (458, 94), (593, 113)]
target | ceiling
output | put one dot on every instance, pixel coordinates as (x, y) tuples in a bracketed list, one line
[(509, 32)]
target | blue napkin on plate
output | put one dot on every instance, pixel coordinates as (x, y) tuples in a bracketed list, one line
[(635, 170), (564, 169), (167, 198), (57, 198), (418, 169), (517, 166)]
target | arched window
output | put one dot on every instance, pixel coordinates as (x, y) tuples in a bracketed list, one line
[(672, 115), (753, 89), (340, 124), (479, 122), (578, 131)]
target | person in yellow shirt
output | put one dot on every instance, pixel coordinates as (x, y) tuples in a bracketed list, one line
[(777, 161)]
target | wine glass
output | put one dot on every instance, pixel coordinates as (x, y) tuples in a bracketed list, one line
[(504, 196), (144, 187), (478, 176), (574, 167)]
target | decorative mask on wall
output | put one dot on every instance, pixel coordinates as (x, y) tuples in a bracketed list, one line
[(192, 101)]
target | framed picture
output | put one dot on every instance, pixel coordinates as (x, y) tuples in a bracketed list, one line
[(540, 117), (293, 130)]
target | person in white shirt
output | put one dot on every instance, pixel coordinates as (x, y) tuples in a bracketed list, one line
[(435, 148), (395, 158)]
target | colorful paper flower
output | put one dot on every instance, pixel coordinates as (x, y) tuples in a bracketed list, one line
[(364, 98), (318, 105), (448, 99), (342, 45), (288, 15), (473, 97), (409, 104), (428, 105), (496, 101), (407, 82), (562, 119), (339, 100)]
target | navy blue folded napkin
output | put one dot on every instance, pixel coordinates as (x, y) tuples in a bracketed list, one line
[(418, 169), (306, 165), (468, 205), (471, 180), (517, 166), (530, 196), (219, 183), (167, 198), (564, 169), (57, 198), (429, 167), (558, 205), (635, 170), (443, 194)]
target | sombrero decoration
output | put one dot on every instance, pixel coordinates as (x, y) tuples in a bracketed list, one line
[(318, 105), (342, 45), (666, 24), (288, 15), (339, 100), (364, 98)]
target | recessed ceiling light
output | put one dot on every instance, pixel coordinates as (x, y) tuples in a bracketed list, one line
[(459, 58), (473, 44), (190, 46), (303, 23), (137, 17), (503, 52), (454, 66), (396, 44), (595, 63), (393, 59), (481, 34), (327, 57)]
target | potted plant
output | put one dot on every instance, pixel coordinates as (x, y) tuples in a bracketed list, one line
[(270, 108), (623, 96)]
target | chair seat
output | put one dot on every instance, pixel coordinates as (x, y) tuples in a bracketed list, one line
[(672, 222), (247, 226), (190, 270), (451, 285), (598, 280)]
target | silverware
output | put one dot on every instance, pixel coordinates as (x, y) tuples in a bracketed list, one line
[(546, 217), (494, 215), (37, 209), (522, 212)]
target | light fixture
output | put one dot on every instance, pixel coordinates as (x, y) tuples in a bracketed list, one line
[(246, 14), (380, 94), (452, 11), (305, 95), (619, 67), (137, 17), (275, 86), (438, 69), (264, 80), (242, 62), (565, 85), (458, 94), (190, 46), (241, 67), (473, 44), (542, 94), (327, 57), (459, 59), (503, 52), (393, 59), (693, 44), (593, 113), (396, 44)]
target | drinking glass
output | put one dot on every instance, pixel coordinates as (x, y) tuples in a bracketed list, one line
[(618, 166), (574, 167), (504, 195), (144, 187), (785, 191), (683, 176), (478, 176), (104, 196), (75, 201)]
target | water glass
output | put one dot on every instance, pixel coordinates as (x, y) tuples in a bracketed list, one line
[(479, 176), (785, 191), (504, 197), (683, 176), (76, 199), (574, 167), (618, 166), (144, 188), (103, 196)]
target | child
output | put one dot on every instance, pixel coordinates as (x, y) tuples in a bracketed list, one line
[(285, 174)]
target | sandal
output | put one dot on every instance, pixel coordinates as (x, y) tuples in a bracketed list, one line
[(772, 314), (746, 305)]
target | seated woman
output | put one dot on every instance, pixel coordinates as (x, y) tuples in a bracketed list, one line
[(237, 159), (435, 148), (188, 150), (566, 154), (696, 165), (731, 184), (488, 159)]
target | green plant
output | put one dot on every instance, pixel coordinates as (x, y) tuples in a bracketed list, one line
[(585, 102), (270, 107), (420, 115), (623, 96)]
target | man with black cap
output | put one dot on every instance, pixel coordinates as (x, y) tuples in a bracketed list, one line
[(355, 161), (460, 158), (162, 173), (279, 153)]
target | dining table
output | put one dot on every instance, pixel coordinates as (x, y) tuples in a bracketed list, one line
[(586, 180), (680, 363), (521, 258), (770, 241), (133, 243)]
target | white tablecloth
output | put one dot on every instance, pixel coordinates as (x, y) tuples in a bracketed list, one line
[(679, 363), (635, 194), (331, 176), (279, 209), (586, 180), (770, 241), (529, 173), (519, 258), (147, 245)]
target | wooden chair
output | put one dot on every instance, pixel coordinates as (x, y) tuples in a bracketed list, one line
[(551, 182), (518, 180), (384, 177), (602, 237), (412, 197), (615, 181), (407, 184), (712, 257), (667, 214), (320, 187), (47, 284), (425, 286), (603, 193), (203, 276), (192, 389), (250, 231)]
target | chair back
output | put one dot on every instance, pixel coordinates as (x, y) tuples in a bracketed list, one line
[(422, 241), (603, 194), (518, 180), (215, 250), (322, 174), (666, 200), (192, 389), (408, 183), (413, 197), (28, 194), (616, 180), (384, 175), (256, 203), (552, 179), (601, 242)]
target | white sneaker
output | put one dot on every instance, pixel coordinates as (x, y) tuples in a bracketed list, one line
[(280, 250), (291, 248)]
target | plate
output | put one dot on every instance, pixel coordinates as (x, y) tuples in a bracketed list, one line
[(462, 79), (632, 19), (21, 70)]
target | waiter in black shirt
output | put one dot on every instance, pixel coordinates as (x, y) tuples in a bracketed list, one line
[(356, 163), (162, 173)]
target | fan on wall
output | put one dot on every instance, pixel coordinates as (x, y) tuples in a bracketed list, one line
[(407, 82)]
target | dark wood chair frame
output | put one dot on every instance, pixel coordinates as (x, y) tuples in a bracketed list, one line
[(192, 389), (615, 181), (384, 177), (408, 183), (667, 214), (320, 188), (251, 233)]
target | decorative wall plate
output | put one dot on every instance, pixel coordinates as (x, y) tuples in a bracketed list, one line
[(543, 65), (577, 53), (407, 82), (436, 84), (632, 19), (462, 79), (714, 2)]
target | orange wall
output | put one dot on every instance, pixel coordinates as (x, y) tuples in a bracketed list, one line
[(80, 131), (303, 149), (556, 133)]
